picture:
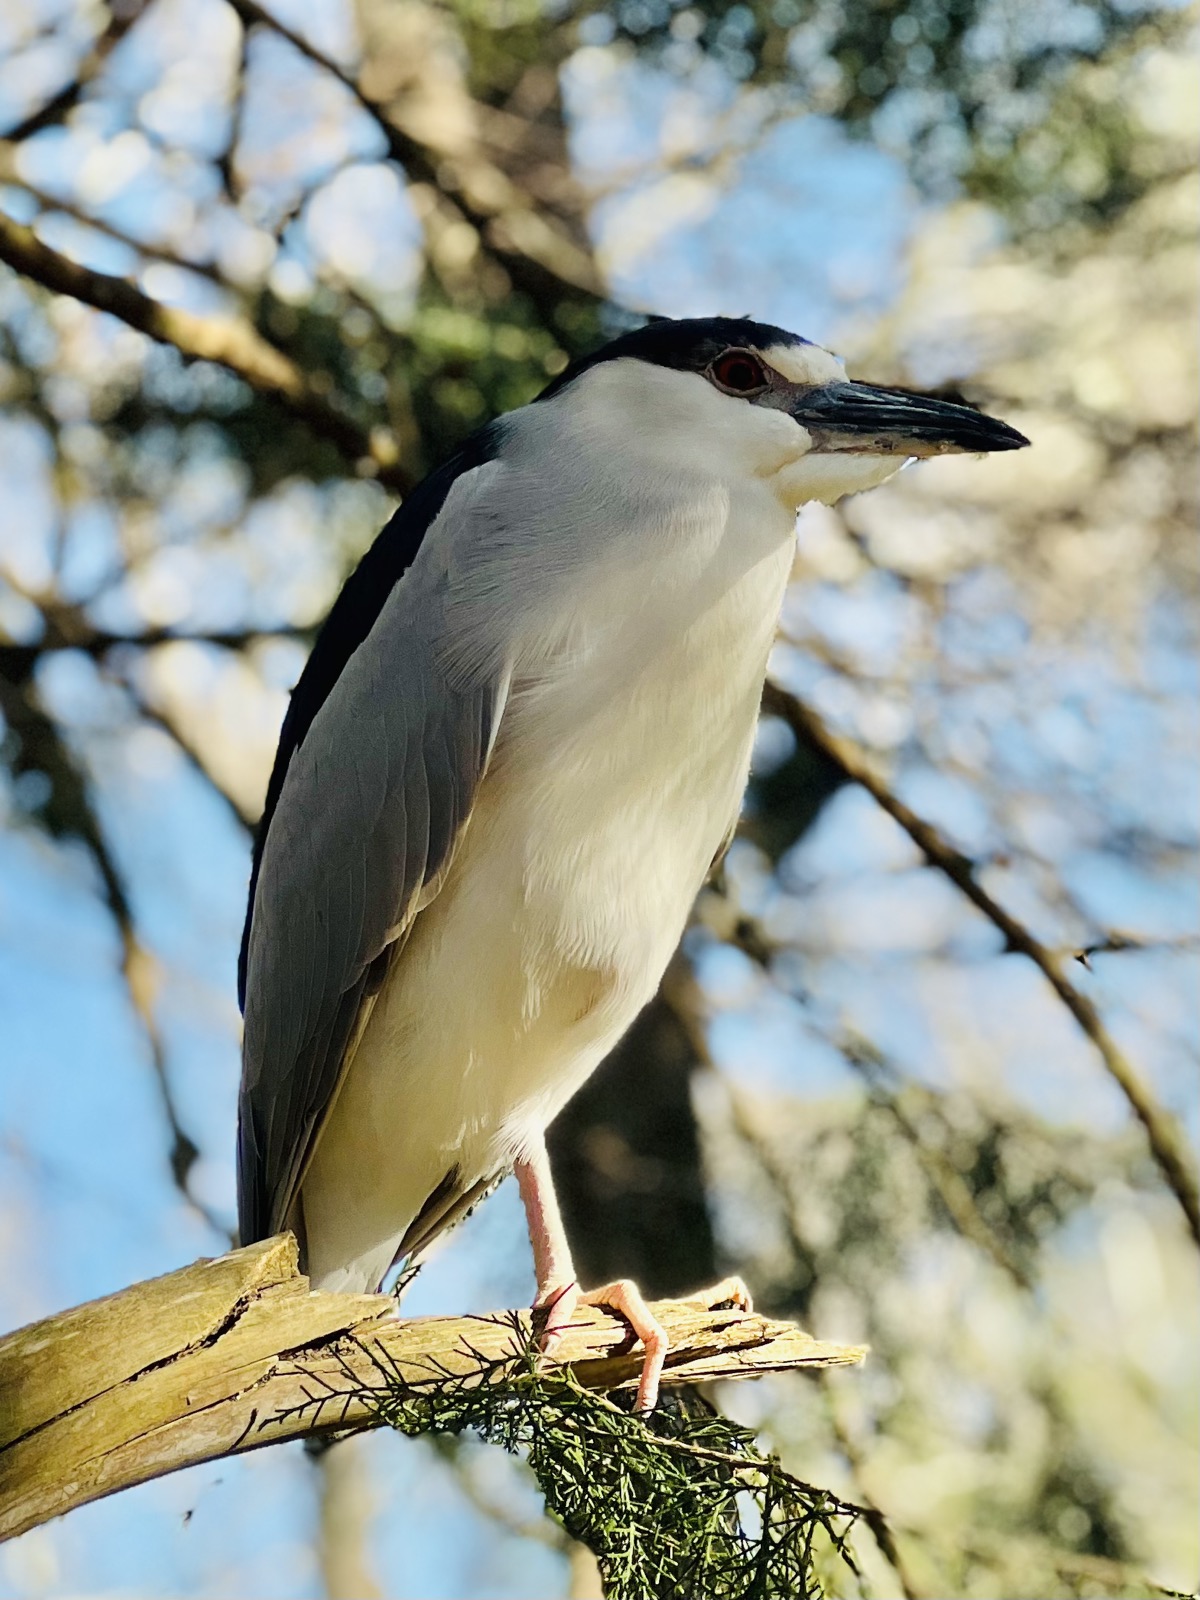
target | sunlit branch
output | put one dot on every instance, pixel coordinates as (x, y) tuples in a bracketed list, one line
[(10, 172), (1161, 1129), (229, 341)]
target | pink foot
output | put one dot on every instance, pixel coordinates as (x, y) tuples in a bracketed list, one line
[(625, 1298)]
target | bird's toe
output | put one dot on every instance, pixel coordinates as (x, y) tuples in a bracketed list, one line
[(730, 1292), (552, 1312), (625, 1298)]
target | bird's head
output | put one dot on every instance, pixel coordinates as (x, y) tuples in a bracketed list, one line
[(732, 395)]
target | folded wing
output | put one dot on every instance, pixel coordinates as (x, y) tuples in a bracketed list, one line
[(373, 787)]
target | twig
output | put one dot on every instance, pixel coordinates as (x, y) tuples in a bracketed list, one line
[(1116, 943), (230, 341), (1162, 1132)]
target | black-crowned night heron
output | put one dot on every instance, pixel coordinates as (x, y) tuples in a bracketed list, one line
[(516, 750)]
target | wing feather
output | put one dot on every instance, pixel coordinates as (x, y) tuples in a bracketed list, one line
[(364, 825)]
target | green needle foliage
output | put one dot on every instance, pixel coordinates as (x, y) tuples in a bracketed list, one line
[(678, 1504)]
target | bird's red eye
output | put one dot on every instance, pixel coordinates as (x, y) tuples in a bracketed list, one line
[(738, 372)]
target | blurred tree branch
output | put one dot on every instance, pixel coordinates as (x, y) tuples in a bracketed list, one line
[(186, 744), (68, 627), (346, 1508), (43, 748), (18, 659), (10, 173), (229, 341), (1166, 1144), (540, 255), (121, 17), (235, 1353)]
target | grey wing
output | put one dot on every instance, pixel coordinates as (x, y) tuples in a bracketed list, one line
[(373, 804)]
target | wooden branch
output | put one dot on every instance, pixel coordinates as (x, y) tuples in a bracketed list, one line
[(230, 341), (1162, 1130), (235, 1353)]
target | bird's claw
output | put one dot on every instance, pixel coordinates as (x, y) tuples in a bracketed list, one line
[(559, 1303), (730, 1293)]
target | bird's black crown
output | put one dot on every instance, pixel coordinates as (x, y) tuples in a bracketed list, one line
[(688, 344)]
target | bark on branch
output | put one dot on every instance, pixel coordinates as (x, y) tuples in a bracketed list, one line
[(235, 1353)]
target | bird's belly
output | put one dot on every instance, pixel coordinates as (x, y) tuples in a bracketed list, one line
[(569, 892)]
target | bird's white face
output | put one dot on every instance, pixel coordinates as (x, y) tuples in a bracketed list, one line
[(808, 471), (813, 472), (785, 415)]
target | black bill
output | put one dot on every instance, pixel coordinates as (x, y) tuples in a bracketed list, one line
[(859, 417)]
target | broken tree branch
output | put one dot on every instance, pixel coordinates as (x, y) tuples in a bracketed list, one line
[(234, 1353), (1162, 1132)]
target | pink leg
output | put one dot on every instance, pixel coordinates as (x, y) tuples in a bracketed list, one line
[(558, 1289)]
